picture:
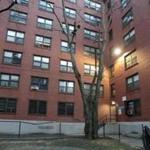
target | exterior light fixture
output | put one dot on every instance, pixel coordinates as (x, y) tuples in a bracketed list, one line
[(113, 103), (117, 51)]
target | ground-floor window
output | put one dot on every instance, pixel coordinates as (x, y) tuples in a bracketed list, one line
[(133, 107)]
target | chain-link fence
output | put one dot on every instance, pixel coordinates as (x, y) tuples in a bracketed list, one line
[(36, 128)]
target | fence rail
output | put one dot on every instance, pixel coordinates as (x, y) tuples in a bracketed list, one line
[(119, 131)]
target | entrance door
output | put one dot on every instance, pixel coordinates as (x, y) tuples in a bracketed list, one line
[(113, 113)]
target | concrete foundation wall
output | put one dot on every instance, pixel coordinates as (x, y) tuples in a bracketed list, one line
[(132, 129), (33, 127)]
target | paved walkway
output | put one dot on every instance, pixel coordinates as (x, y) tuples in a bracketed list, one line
[(133, 142), (32, 145)]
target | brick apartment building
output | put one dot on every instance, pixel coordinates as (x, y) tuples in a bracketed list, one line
[(36, 78), (129, 22)]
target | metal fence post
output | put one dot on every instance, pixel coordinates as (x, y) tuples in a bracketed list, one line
[(19, 131), (104, 134), (59, 128), (119, 131)]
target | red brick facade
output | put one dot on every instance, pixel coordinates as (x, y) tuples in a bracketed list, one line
[(138, 63), (25, 70)]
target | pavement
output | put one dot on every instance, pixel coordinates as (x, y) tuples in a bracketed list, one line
[(30, 143), (133, 142), (20, 144)]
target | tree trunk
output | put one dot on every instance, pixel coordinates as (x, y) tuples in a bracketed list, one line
[(91, 119)]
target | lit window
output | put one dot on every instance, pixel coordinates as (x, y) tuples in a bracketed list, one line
[(130, 60), (11, 57), (39, 83), (70, 13), (41, 62), (18, 17), (92, 19), (89, 69), (133, 82), (70, 28), (65, 47), (91, 51), (44, 23), (91, 35), (124, 3), (127, 18), (15, 36), (45, 5), (87, 87), (92, 5), (66, 66), (129, 37), (66, 87), (42, 41), (9, 80)]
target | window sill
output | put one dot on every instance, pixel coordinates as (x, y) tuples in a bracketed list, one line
[(66, 93), (36, 114), (132, 90), (12, 88), (14, 42), (14, 65), (8, 113), (126, 68), (43, 91)]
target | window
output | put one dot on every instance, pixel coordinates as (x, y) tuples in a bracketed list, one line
[(40, 62), (72, 1), (70, 12), (87, 89), (92, 35), (8, 105), (65, 108), (18, 17), (66, 66), (127, 18), (110, 35), (91, 51), (44, 23), (11, 57), (65, 47), (92, 19), (39, 83), (70, 28), (66, 87), (133, 107), (89, 69), (9, 80), (45, 5), (113, 90), (129, 37), (37, 107), (130, 60), (42, 41), (133, 82), (92, 5), (15, 36), (24, 2), (124, 3)]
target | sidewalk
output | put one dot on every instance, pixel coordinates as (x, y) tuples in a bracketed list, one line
[(133, 142)]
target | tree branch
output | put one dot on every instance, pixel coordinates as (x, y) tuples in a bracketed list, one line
[(10, 6)]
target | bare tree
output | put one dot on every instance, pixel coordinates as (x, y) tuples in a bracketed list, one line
[(14, 2), (90, 99)]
